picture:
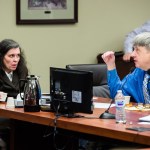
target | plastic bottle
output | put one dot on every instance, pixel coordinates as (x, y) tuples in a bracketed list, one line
[(120, 107)]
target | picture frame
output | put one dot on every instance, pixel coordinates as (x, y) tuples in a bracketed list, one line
[(46, 12)]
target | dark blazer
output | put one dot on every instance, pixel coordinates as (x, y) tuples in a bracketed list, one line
[(11, 88)]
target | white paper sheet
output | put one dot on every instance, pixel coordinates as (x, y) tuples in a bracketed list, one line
[(102, 105), (146, 118)]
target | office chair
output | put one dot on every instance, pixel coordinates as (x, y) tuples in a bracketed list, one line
[(100, 87)]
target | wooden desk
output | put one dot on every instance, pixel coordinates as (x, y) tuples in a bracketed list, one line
[(99, 127)]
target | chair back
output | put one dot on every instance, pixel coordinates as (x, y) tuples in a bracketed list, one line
[(99, 72)]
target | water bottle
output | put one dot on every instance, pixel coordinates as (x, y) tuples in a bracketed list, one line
[(120, 107)]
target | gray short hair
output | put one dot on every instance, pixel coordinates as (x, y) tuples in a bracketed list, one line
[(142, 39)]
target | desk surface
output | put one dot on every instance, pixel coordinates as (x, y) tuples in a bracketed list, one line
[(98, 127)]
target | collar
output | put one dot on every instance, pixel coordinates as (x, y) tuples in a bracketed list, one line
[(9, 75)]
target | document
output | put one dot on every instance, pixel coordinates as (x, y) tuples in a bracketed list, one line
[(146, 118)]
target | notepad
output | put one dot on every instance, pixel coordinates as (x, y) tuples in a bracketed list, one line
[(146, 118)]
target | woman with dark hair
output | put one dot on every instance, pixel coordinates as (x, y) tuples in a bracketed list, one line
[(12, 67)]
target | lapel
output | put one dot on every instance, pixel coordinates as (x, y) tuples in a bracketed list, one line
[(14, 82)]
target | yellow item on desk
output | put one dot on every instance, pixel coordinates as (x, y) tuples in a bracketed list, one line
[(140, 107)]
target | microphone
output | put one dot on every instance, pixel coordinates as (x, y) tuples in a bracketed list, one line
[(106, 114)]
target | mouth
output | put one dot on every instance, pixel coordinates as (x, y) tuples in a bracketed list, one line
[(14, 66), (135, 62)]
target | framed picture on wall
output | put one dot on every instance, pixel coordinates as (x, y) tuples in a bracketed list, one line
[(46, 11)]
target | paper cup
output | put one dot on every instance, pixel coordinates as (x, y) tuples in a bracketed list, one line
[(3, 96), (127, 99), (10, 102)]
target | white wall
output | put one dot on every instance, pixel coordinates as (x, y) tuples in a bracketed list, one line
[(102, 26)]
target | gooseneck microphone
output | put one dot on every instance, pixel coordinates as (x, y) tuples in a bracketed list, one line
[(107, 114)]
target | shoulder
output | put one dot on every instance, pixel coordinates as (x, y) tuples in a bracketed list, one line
[(138, 73)]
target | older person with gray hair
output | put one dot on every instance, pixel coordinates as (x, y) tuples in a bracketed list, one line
[(135, 84)]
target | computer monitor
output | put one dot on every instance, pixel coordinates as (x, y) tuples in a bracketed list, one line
[(71, 91)]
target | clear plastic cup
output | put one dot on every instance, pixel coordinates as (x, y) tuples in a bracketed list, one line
[(127, 99), (3, 96)]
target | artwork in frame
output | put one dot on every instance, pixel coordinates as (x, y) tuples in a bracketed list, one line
[(46, 11)]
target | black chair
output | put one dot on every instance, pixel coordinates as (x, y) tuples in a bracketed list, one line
[(100, 87)]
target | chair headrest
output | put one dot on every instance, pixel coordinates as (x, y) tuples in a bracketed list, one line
[(99, 72)]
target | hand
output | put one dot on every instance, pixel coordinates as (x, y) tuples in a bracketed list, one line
[(109, 59), (127, 57)]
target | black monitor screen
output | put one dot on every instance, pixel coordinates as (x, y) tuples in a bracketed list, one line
[(71, 90)]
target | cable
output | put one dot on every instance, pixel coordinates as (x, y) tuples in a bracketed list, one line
[(55, 132)]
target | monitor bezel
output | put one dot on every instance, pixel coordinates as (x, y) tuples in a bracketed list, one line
[(87, 93)]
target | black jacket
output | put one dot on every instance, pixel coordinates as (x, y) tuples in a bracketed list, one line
[(11, 88)]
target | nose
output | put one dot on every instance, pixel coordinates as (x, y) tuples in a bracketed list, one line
[(133, 53), (16, 58)]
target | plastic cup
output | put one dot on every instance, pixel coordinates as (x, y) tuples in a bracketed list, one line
[(140, 106), (127, 99), (3, 96), (10, 102)]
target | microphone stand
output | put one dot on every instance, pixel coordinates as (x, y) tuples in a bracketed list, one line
[(107, 114)]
